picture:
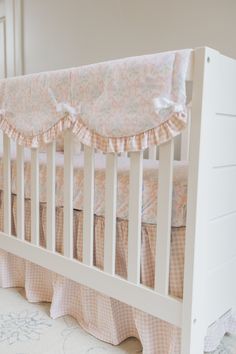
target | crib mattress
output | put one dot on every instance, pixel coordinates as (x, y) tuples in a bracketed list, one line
[(150, 185)]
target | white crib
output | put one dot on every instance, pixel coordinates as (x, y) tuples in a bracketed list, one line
[(210, 253)]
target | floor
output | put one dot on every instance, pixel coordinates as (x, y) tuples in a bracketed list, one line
[(27, 329)]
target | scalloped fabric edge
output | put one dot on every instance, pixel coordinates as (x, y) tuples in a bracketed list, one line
[(155, 136)]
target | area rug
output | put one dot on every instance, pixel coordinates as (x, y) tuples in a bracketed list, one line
[(27, 328)]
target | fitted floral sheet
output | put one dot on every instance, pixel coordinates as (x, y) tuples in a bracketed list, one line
[(150, 185)]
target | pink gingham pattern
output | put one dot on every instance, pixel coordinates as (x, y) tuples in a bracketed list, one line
[(104, 317)]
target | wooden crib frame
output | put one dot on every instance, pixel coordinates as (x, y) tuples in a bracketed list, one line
[(210, 251)]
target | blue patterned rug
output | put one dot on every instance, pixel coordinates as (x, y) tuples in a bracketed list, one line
[(28, 329), (227, 346)]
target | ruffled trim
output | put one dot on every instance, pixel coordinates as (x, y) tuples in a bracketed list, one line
[(40, 139), (155, 136)]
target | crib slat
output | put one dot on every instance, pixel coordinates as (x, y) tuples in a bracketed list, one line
[(20, 193), (152, 152), (135, 205), (185, 137), (164, 208), (110, 213), (88, 210), (77, 147), (35, 197), (51, 183), (7, 183), (68, 194)]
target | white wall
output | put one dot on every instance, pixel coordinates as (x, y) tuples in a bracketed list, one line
[(2, 8), (64, 33), (2, 40)]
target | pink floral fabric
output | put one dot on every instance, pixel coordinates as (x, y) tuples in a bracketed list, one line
[(150, 185), (121, 105)]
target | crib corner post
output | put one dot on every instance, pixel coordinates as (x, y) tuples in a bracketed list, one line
[(194, 318), (196, 344)]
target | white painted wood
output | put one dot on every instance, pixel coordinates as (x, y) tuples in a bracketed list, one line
[(7, 184), (224, 154), (222, 190), (135, 216), (221, 241), (51, 186), (110, 214), (194, 300), (77, 147), (152, 153), (18, 28), (35, 197), (185, 136), (226, 88), (221, 290), (2, 49), (10, 37), (190, 70), (164, 209), (166, 308), (14, 42), (68, 194), (20, 213), (211, 201), (88, 209), (124, 154)]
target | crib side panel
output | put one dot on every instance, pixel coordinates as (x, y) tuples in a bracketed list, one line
[(220, 243), (194, 324), (157, 301), (210, 254)]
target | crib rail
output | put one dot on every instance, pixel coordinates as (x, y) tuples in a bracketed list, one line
[(49, 257), (65, 263)]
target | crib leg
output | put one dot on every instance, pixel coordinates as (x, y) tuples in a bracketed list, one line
[(192, 339)]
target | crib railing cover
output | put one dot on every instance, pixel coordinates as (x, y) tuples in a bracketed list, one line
[(115, 106)]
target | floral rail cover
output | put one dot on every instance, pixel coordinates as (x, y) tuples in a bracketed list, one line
[(122, 105)]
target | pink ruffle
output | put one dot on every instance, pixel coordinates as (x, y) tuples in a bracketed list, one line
[(155, 136)]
